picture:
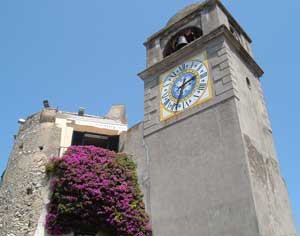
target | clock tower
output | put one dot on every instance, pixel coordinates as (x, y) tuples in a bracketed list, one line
[(212, 168)]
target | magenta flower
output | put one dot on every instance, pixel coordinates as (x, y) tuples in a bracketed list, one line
[(95, 188)]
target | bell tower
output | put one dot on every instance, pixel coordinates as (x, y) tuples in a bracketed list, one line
[(213, 168)]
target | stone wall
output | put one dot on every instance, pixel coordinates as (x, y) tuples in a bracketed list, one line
[(24, 190), (24, 183)]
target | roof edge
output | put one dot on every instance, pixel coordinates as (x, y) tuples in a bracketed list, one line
[(202, 5)]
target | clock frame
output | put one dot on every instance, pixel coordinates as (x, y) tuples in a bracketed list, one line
[(185, 86)]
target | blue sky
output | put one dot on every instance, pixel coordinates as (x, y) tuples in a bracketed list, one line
[(87, 53)]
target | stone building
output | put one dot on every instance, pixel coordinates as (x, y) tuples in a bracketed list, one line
[(205, 153), (24, 188)]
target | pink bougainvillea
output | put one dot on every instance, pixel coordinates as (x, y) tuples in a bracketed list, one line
[(96, 189)]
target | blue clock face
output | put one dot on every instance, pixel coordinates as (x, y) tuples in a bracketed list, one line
[(184, 87)]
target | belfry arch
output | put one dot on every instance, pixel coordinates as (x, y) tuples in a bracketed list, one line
[(188, 35)]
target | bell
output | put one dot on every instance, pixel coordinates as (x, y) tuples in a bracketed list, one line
[(181, 42)]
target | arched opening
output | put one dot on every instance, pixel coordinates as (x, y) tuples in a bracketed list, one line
[(181, 39)]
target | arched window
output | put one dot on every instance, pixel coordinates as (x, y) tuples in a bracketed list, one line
[(181, 39)]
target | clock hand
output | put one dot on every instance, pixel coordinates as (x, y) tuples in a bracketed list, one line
[(184, 83), (181, 89), (180, 94), (194, 77)]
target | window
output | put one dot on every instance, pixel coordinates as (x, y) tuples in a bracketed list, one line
[(98, 140)]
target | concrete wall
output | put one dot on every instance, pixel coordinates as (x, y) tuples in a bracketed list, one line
[(269, 190), (24, 185), (199, 176), (132, 143)]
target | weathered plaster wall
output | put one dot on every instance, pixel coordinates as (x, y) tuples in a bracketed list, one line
[(133, 144), (269, 190), (199, 176), (24, 183)]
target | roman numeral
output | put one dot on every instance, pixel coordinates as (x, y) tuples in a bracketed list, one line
[(173, 108), (202, 86), (170, 106), (173, 74), (203, 75), (192, 65), (165, 95), (182, 67), (199, 66), (166, 102)]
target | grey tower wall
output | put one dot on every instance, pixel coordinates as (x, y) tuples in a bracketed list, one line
[(24, 183), (199, 177), (269, 190), (213, 168)]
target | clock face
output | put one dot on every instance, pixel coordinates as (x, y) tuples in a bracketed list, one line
[(185, 86)]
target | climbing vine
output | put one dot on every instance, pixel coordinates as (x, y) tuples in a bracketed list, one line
[(97, 189)]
